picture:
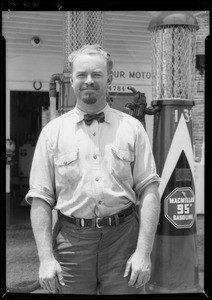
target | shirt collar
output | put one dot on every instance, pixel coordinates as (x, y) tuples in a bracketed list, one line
[(78, 115)]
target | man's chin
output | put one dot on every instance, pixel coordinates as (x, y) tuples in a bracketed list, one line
[(89, 100)]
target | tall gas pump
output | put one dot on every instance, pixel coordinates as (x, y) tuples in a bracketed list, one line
[(174, 255)]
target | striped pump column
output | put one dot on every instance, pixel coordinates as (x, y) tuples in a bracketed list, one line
[(174, 255)]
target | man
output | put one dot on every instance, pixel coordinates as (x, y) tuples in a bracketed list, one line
[(94, 172)]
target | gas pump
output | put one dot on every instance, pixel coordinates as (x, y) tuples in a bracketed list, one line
[(174, 255)]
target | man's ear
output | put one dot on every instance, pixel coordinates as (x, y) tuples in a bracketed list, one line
[(110, 78)]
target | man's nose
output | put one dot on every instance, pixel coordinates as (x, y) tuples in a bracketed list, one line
[(89, 79)]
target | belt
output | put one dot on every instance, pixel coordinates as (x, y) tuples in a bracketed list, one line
[(99, 222)]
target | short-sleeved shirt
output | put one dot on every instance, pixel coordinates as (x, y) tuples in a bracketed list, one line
[(92, 171)]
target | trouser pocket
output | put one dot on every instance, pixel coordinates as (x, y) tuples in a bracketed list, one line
[(55, 233)]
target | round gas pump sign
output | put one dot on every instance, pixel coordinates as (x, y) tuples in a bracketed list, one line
[(179, 207)]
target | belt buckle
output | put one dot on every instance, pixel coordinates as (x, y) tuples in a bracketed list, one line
[(97, 224), (97, 220)]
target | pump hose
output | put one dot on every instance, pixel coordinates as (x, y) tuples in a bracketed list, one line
[(132, 89)]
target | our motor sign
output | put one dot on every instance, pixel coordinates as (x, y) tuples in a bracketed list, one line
[(180, 207)]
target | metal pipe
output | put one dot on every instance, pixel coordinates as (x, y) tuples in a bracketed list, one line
[(53, 93)]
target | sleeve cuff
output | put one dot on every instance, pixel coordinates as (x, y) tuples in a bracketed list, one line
[(34, 193), (143, 184)]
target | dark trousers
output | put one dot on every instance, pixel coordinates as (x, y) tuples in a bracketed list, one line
[(93, 260)]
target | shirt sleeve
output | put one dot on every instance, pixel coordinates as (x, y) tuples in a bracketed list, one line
[(42, 180), (144, 170)]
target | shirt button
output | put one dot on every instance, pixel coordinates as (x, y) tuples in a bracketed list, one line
[(94, 133), (100, 202), (97, 178), (95, 156)]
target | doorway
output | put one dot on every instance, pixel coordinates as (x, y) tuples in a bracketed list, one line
[(25, 126)]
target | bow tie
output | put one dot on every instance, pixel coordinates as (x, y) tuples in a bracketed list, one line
[(90, 117)]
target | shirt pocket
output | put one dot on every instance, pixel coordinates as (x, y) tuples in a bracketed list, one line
[(122, 160), (67, 167)]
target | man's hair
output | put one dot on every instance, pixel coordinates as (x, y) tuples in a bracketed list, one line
[(91, 49)]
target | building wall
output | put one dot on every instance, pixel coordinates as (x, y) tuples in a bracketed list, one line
[(199, 113), (199, 108)]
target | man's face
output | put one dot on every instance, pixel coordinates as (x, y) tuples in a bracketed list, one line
[(89, 79)]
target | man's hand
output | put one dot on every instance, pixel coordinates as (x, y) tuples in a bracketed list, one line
[(140, 270), (50, 275), (138, 266)]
